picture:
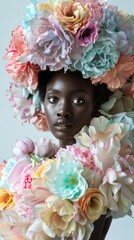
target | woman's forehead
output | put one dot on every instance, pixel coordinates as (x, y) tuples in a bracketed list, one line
[(70, 81)]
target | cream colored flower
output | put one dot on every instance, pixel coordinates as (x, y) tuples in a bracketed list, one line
[(92, 205), (57, 217)]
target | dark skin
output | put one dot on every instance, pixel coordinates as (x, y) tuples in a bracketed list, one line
[(69, 105)]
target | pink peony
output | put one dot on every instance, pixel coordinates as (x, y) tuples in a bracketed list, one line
[(20, 176), (116, 77), (39, 120), (82, 154)]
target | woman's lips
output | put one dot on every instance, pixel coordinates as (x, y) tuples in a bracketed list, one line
[(63, 126)]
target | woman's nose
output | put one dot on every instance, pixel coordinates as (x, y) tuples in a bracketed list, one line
[(64, 110)]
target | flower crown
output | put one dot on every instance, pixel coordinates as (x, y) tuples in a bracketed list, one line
[(83, 35)]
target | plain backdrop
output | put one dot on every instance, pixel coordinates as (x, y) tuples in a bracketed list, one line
[(11, 14)]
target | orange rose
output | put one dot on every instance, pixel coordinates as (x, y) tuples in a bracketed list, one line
[(6, 199), (92, 204)]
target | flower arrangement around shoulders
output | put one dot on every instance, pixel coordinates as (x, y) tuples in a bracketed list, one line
[(51, 193)]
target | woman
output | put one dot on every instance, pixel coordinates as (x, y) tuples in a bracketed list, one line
[(70, 103)]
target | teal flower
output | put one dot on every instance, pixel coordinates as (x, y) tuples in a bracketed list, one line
[(69, 182), (31, 11), (97, 58)]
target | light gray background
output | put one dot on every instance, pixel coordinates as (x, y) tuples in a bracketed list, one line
[(11, 13)]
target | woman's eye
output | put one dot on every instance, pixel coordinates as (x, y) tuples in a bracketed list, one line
[(78, 101), (52, 99)]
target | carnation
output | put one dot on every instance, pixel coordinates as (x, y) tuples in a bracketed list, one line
[(49, 45), (97, 58)]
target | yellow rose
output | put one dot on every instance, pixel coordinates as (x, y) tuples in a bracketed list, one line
[(6, 199), (92, 204), (72, 15), (58, 217)]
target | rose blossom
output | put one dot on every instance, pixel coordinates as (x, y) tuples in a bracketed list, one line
[(58, 217), (72, 15), (6, 199), (92, 204)]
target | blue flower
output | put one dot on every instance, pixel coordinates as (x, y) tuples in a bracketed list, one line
[(97, 58), (5, 172), (69, 182)]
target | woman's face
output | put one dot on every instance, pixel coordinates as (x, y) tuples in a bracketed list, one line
[(68, 105)]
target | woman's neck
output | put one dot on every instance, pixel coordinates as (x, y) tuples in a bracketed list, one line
[(64, 143)]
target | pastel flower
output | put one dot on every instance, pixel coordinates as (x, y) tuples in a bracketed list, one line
[(17, 46), (103, 137), (6, 199), (116, 77), (92, 204), (70, 185), (45, 147), (5, 172), (49, 45), (23, 108), (31, 11), (40, 171), (72, 15), (57, 217), (117, 186), (20, 176), (120, 26), (82, 154), (87, 34), (97, 58), (39, 120), (26, 74), (23, 147)]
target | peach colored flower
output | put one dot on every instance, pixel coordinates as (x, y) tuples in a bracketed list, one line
[(6, 199), (72, 15), (116, 77), (92, 204), (39, 120), (58, 217), (41, 170)]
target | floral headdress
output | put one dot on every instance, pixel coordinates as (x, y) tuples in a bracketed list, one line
[(83, 35)]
